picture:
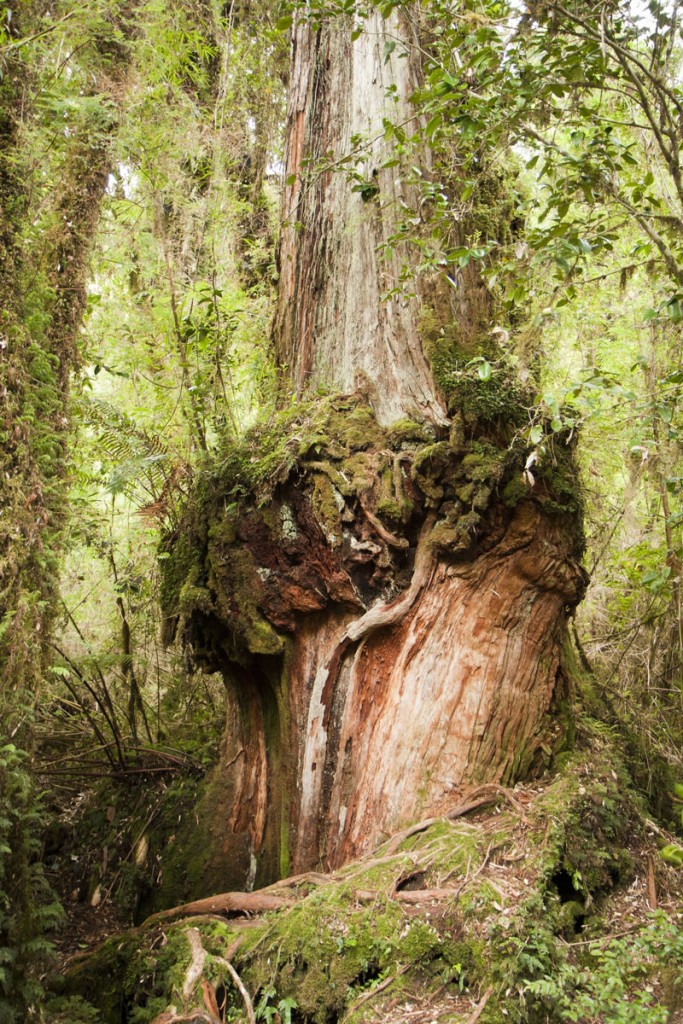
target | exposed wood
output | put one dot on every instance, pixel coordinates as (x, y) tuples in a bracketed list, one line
[(210, 1002)]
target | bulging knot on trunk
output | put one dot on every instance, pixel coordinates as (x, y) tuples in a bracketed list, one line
[(327, 510)]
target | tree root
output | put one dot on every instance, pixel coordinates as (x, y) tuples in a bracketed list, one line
[(391, 539), (196, 968), (276, 897), (478, 797), (388, 614), (193, 976), (239, 985), (228, 904)]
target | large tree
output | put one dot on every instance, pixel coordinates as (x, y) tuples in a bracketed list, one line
[(44, 248), (383, 575)]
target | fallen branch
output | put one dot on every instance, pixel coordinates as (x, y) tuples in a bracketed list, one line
[(479, 1008)]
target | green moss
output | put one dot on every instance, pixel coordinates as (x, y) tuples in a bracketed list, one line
[(404, 432), (503, 930), (101, 976), (70, 1010)]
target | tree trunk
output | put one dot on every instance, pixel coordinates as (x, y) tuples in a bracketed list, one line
[(389, 606), (333, 327)]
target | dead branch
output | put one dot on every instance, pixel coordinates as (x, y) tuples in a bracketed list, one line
[(375, 991), (479, 1008)]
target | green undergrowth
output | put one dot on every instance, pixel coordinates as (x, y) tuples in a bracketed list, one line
[(527, 897)]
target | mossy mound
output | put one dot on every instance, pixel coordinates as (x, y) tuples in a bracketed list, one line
[(535, 904)]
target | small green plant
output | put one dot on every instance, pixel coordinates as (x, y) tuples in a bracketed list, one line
[(27, 909), (672, 853), (617, 985), (266, 1009)]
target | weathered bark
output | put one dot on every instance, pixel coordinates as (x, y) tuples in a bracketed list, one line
[(333, 328), (389, 611)]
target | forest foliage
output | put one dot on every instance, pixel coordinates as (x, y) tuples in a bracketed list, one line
[(140, 170)]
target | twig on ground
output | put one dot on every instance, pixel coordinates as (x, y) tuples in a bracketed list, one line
[(375, 991), (481, 1005)]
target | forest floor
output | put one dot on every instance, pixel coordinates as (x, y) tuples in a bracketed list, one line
[(456, 918)]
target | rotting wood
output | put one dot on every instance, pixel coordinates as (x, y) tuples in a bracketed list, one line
[(210, 1001)]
